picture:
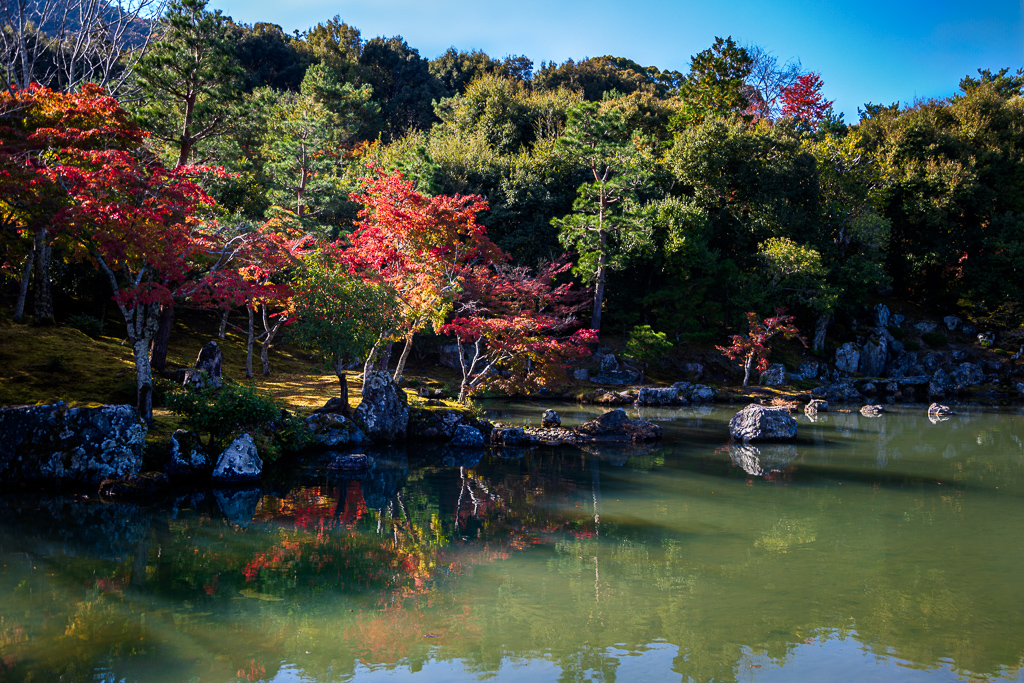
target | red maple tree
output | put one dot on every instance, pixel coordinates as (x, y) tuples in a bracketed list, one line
[(803, 100), (753, 346)]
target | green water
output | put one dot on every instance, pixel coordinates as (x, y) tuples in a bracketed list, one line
[(874, 549)]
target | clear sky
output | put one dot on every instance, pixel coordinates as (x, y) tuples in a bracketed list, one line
[(879, 51)]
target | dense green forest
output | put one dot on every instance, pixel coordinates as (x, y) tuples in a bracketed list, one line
[(684, 200)]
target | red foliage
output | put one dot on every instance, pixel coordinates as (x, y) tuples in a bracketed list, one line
[(753, 346), (803, 100)]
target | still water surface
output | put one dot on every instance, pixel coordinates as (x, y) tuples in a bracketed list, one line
[(874, 549)]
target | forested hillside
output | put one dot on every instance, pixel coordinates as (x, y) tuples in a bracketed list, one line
[(223, 165)]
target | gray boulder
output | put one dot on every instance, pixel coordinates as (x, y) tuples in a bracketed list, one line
[(808, 369), (615, 425), (925, 327), (331, 430), (840, 391), (550, 419), (239, 461), (872, 410), (847, 358), (762, 423), (619, 377), (939, 409), (349, 464), (509, 436), (186, 459), (952, 322), (702, 393), (207, 371), (384, 410), (968, 375), (450, 355), (467, 437), (57, 443), (896, 319), (660, 396), (609, 363), (881, 315), (873, 357), (774, 375), (581, 374)]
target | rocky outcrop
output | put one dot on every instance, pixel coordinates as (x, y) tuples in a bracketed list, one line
[(617, 378), (207, 370), (331, 430), (952, 322), (509, 436), (847, 358), (881, 315), (873, 356), (659, 396), (615, 425), (808, 369), (774, 376), (384, 410), (840, 391), (425, 423), (762, 423), (968, 375), (467, 437), (74, 445), (239, 462), (550, 419)]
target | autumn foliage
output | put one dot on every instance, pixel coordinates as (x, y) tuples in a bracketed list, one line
[(753, 347), (803, 100)]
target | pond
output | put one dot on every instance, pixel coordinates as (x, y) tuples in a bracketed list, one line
[(872, 549)]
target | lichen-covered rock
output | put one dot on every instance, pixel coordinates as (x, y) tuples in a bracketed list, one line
[(581, 374), (186, 458), (58, 443), (808, 369), (658, 396), (550, 419), (702, 393), (610, 398), (815, 406), (467, 437), (873, 356), (762, 423), (615, 425), (968, 375), (331, 430), (952, 322), (609, 363), (384, 410), (847, 358), (881, 315), (208, 368), (239, 461), (774, 376)]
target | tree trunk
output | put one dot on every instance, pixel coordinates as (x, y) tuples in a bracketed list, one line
[(42, 313), (248, 343), (144, 378), (819, 332), (158, 357), (265, 347), (224, 323), (400, 368), (748, 365), (339, 369), (370, 360), (26, 276), (602, 260)]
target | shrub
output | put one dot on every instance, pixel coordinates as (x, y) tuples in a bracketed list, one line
[(214, 415), (87, 325), (934, 339), (896, 332), (911, 345)]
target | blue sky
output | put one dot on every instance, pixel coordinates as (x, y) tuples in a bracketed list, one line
[(868, 51)]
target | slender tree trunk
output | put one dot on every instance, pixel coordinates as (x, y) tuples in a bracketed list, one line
[(144, 378), (248, 343), (224, 323), (158, 357), (371, 358), (26, 277), (748, 365), (819, 332), (602, 261), (400, 368), (42, 313), (271, 333), (339, 369)]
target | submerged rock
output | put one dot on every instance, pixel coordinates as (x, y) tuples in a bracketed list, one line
[(762, 423), (58, 443), (615, 425), (239, 461)]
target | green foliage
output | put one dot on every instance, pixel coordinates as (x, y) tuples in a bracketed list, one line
[(714, 86), (87, 324), (215, 415), (911, 345), (934, 339), (646, 345)]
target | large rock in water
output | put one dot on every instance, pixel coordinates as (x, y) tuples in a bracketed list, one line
[(615, 425), (384, 410), (57, 443), (239, 461), (762, 423)]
